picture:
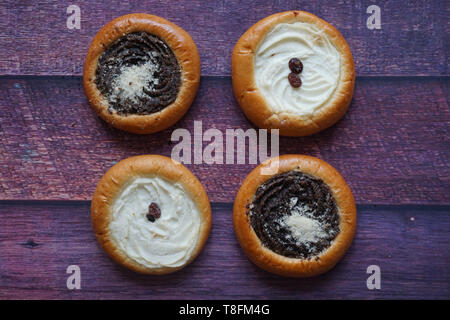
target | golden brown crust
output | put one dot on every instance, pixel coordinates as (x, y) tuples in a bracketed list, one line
[(252, 100), (116, 177), (185, 51), (273, 262)]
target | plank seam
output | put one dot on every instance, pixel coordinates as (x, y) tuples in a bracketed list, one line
[(229, 205)]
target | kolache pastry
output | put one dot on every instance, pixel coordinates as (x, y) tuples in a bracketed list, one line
[(151, 214), (141, 73), (294, 72), (297, 222)]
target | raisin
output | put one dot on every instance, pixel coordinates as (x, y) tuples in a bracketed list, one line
[(153, 212), (296, 65), (150, 218), (294, 80)]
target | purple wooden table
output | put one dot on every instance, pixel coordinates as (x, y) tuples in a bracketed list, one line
[(392, 147)]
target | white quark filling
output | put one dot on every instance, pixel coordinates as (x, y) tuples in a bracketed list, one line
[(132, 80), (167, 242), (303, 227), (321, 68)]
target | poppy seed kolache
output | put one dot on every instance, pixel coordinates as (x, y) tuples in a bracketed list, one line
[(294, 72), (151, 214), (141, 73), (298, 221)]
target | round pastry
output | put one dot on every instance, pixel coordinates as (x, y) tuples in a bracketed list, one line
[(141, 73), (294, 72), (151, 214), (298, 220)]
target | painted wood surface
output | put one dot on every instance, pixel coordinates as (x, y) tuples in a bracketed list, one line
[(409, 243), (35, 40), (391, 146)]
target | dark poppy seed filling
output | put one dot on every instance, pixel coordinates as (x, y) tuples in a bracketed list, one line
[(138, 74), (294, 215)]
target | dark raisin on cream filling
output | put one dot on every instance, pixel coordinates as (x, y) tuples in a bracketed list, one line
[(138, 74), (294, 215)]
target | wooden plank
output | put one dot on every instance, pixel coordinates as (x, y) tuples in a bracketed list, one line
[(57, 129), (36, 41), (392, 146), (39, 240)]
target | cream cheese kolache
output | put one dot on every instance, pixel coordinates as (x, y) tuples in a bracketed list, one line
[(141, 73), (151, 214), (294, 72)]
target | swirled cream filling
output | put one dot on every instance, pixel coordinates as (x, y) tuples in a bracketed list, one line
[(321, 68), (170, 240)]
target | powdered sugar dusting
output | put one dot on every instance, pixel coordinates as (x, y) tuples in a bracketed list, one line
[(133, 80), (304, 228)]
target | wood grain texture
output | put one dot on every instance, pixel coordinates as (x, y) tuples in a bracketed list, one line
[(413, 40), (392, 146), (39, 240)]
